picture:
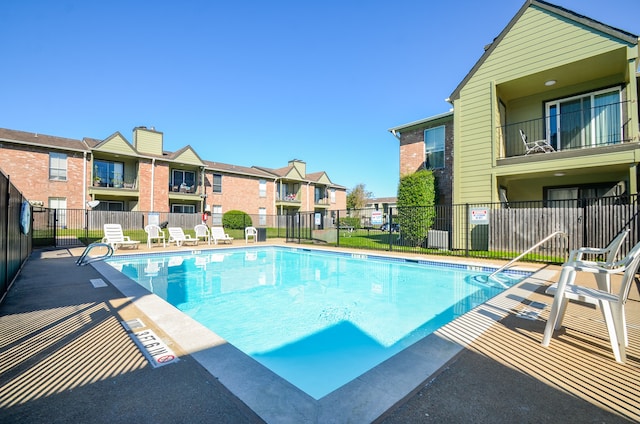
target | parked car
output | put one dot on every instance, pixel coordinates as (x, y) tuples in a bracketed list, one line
[(394, 227)]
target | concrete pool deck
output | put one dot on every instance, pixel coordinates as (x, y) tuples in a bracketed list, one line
[(65, 357)]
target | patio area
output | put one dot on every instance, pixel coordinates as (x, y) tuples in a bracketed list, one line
[(65, 357)]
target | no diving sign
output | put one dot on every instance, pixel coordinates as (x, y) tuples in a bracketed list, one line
[(154, 348)]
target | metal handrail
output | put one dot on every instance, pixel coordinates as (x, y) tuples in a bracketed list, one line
[(503, 267), (82, 262)]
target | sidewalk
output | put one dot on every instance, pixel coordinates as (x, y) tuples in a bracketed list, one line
[(65, 357)]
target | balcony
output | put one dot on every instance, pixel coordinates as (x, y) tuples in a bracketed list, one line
[(290, 198), (322, 202), (571, 130), (115, 183)]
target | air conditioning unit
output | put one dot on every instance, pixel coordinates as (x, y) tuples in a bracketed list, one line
[(438, 239)]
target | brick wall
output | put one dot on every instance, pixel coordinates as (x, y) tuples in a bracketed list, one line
[(412, 157), (28, 168)]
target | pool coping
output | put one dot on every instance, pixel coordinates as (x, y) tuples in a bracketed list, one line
[(364, 399)]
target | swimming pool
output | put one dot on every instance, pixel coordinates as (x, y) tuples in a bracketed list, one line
[(318, 319)]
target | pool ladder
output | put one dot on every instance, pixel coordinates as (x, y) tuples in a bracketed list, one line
[(84, 259), (520, 256)]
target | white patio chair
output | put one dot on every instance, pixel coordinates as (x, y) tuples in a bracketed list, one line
[(538, 146), (608, 256), (217, 233), (177, 236), (155, 233), (250, 232), (611, 305), (202, 232), (113, 236)]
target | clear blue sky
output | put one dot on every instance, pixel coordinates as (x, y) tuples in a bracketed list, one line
[(253, 82)]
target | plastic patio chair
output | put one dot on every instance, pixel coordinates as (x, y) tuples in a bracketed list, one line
[(611, 304), (154, 232), (250, 232), (202, 232)]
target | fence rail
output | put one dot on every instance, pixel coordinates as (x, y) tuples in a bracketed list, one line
[(491, 230)]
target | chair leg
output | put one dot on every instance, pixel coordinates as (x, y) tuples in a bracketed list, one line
[(612, 318), (558, 307)]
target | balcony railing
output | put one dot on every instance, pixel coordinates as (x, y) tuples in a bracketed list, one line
[(287, 197), (324, 201), (126, 183), (586, 128), (184, 188)]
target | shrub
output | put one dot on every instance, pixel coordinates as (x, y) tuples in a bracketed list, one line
[(236, 220), (416, 200)]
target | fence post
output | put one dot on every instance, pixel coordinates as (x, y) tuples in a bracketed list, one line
[(338, 230), (467, 229)]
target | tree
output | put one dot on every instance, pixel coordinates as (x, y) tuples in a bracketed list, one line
[(358, 197), (416, 201)]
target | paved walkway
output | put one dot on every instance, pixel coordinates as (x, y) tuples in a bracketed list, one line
[(65, 357)]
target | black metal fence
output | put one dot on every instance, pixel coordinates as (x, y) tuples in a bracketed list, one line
[(490, 230), (15, 240), (78, 227)]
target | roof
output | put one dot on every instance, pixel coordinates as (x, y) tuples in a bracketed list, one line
[(566, 13), (383, 200), (49, 141), (421, 122), (236, 169)]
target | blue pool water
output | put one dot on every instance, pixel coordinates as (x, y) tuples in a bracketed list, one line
[(318, 319)]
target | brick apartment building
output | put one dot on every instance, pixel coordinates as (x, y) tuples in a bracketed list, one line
[(65, 173)]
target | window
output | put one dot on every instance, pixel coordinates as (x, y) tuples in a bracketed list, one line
[(589, 120), (216, 215), (332, 195), (58, 166), (319, 194), (184, 181), (578, 196), (263, 188), (434, 147), (217, 183), (108, 174), (183, 208), (262, 216), (105, 205)]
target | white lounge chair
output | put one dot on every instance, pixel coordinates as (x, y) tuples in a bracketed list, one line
[(113, 236), (538, 146), (217, 233), (250, 232), (202, 232), (177, 236), (155, 233), (612, 305)]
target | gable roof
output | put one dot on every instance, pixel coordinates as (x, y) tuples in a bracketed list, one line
[(116, 143), (561, 11)]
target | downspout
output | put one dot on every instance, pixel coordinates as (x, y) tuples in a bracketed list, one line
[(308, 208), (84, 180), (203, 195), (153, 170)]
